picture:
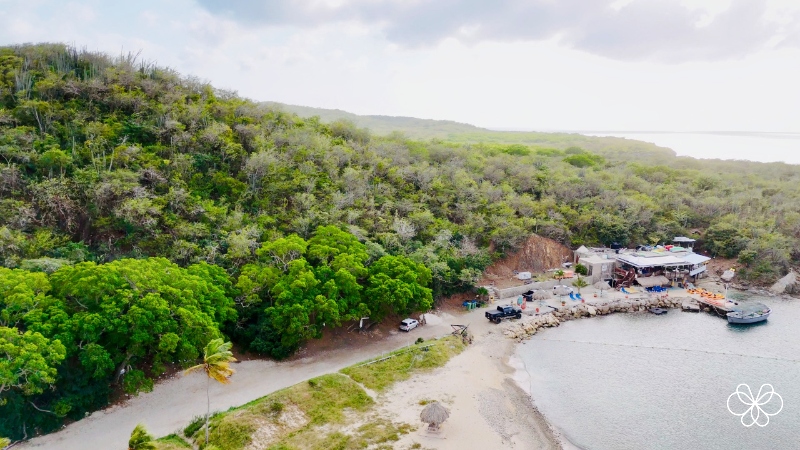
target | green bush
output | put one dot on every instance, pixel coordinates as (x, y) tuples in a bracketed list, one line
[(196, 424), (136, 381), (584, 160)]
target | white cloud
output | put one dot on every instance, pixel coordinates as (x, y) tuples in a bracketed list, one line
[(150, 18), (529, 84)]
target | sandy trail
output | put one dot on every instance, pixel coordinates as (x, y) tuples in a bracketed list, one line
[(487, 408), (173, 403)]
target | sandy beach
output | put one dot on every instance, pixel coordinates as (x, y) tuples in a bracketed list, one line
[(486, 387), (488, 409)]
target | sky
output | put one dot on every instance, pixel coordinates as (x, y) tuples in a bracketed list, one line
[(677, 65)]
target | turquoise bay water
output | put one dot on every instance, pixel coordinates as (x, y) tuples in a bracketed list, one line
[(600, 381)]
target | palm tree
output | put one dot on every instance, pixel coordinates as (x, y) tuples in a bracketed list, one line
[(4, 442), (580, 283), (216, 359), (141, 439)]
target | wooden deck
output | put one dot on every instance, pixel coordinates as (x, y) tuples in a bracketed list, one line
[(722, 305)]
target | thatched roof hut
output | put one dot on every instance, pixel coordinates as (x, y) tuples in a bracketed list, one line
[(601, 286), (562, 290), (540, 295), (434, 415)]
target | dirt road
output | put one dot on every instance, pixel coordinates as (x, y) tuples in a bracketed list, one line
[(173, 403)]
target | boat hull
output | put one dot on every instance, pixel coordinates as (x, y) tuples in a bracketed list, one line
[(748, 318)]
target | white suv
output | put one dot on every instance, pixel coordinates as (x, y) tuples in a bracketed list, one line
[(408, 324)]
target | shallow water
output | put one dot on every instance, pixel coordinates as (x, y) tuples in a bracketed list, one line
[(640, 381)]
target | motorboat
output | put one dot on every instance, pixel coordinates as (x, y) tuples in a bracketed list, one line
[(750, 313)]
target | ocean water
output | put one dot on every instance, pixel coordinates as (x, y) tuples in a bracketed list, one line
[(640, 381), (763, 147)]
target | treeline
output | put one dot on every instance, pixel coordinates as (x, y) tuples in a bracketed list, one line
[(276, 226), (70, 337)]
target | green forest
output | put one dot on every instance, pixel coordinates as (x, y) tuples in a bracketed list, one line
[(144, 213)]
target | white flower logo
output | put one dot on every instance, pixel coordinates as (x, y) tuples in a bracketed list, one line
[(758, 409)]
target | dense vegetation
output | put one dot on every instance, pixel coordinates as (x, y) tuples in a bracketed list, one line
[(143, 214)]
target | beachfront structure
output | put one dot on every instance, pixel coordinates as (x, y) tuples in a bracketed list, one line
[(600, 266), (660, 267), (657, 266), (683, 241)]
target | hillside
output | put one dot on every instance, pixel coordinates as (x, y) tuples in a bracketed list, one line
[(143, 213), (469, 134), (383, 125)]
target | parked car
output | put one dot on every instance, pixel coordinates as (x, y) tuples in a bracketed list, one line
[(408, 324)]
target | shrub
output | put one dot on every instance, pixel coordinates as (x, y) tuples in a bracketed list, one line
[(136, 381), (276, 407), (195, 425)]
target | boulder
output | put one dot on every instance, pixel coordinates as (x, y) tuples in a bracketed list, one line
[(727, 275), (785, 284)]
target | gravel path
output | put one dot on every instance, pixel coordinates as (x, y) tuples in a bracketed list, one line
[(174, 402)]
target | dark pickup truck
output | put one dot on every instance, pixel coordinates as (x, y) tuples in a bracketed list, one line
[(504, 312)]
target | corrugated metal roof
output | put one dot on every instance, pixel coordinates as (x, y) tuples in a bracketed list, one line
[(595, 259), (651, 261), (694, 258)]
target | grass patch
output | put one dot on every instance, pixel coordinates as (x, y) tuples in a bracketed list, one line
[(171, 442), (300, 417), (405, 362), (376, 433), (319, 401)]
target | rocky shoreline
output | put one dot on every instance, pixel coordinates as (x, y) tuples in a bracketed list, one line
[(531, 324)]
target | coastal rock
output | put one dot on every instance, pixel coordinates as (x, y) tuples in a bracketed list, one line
[(532, 324), (727, 275), (786, 285)]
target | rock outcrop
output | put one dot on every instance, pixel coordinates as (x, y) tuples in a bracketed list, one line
[(786, 285), (728, 275), (530, 325)]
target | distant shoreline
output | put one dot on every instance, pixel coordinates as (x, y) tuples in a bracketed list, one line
[(602, 133)]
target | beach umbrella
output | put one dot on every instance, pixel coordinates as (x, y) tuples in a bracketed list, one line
[(601, 286), (562, 290), (434, 415), (540, 295)]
